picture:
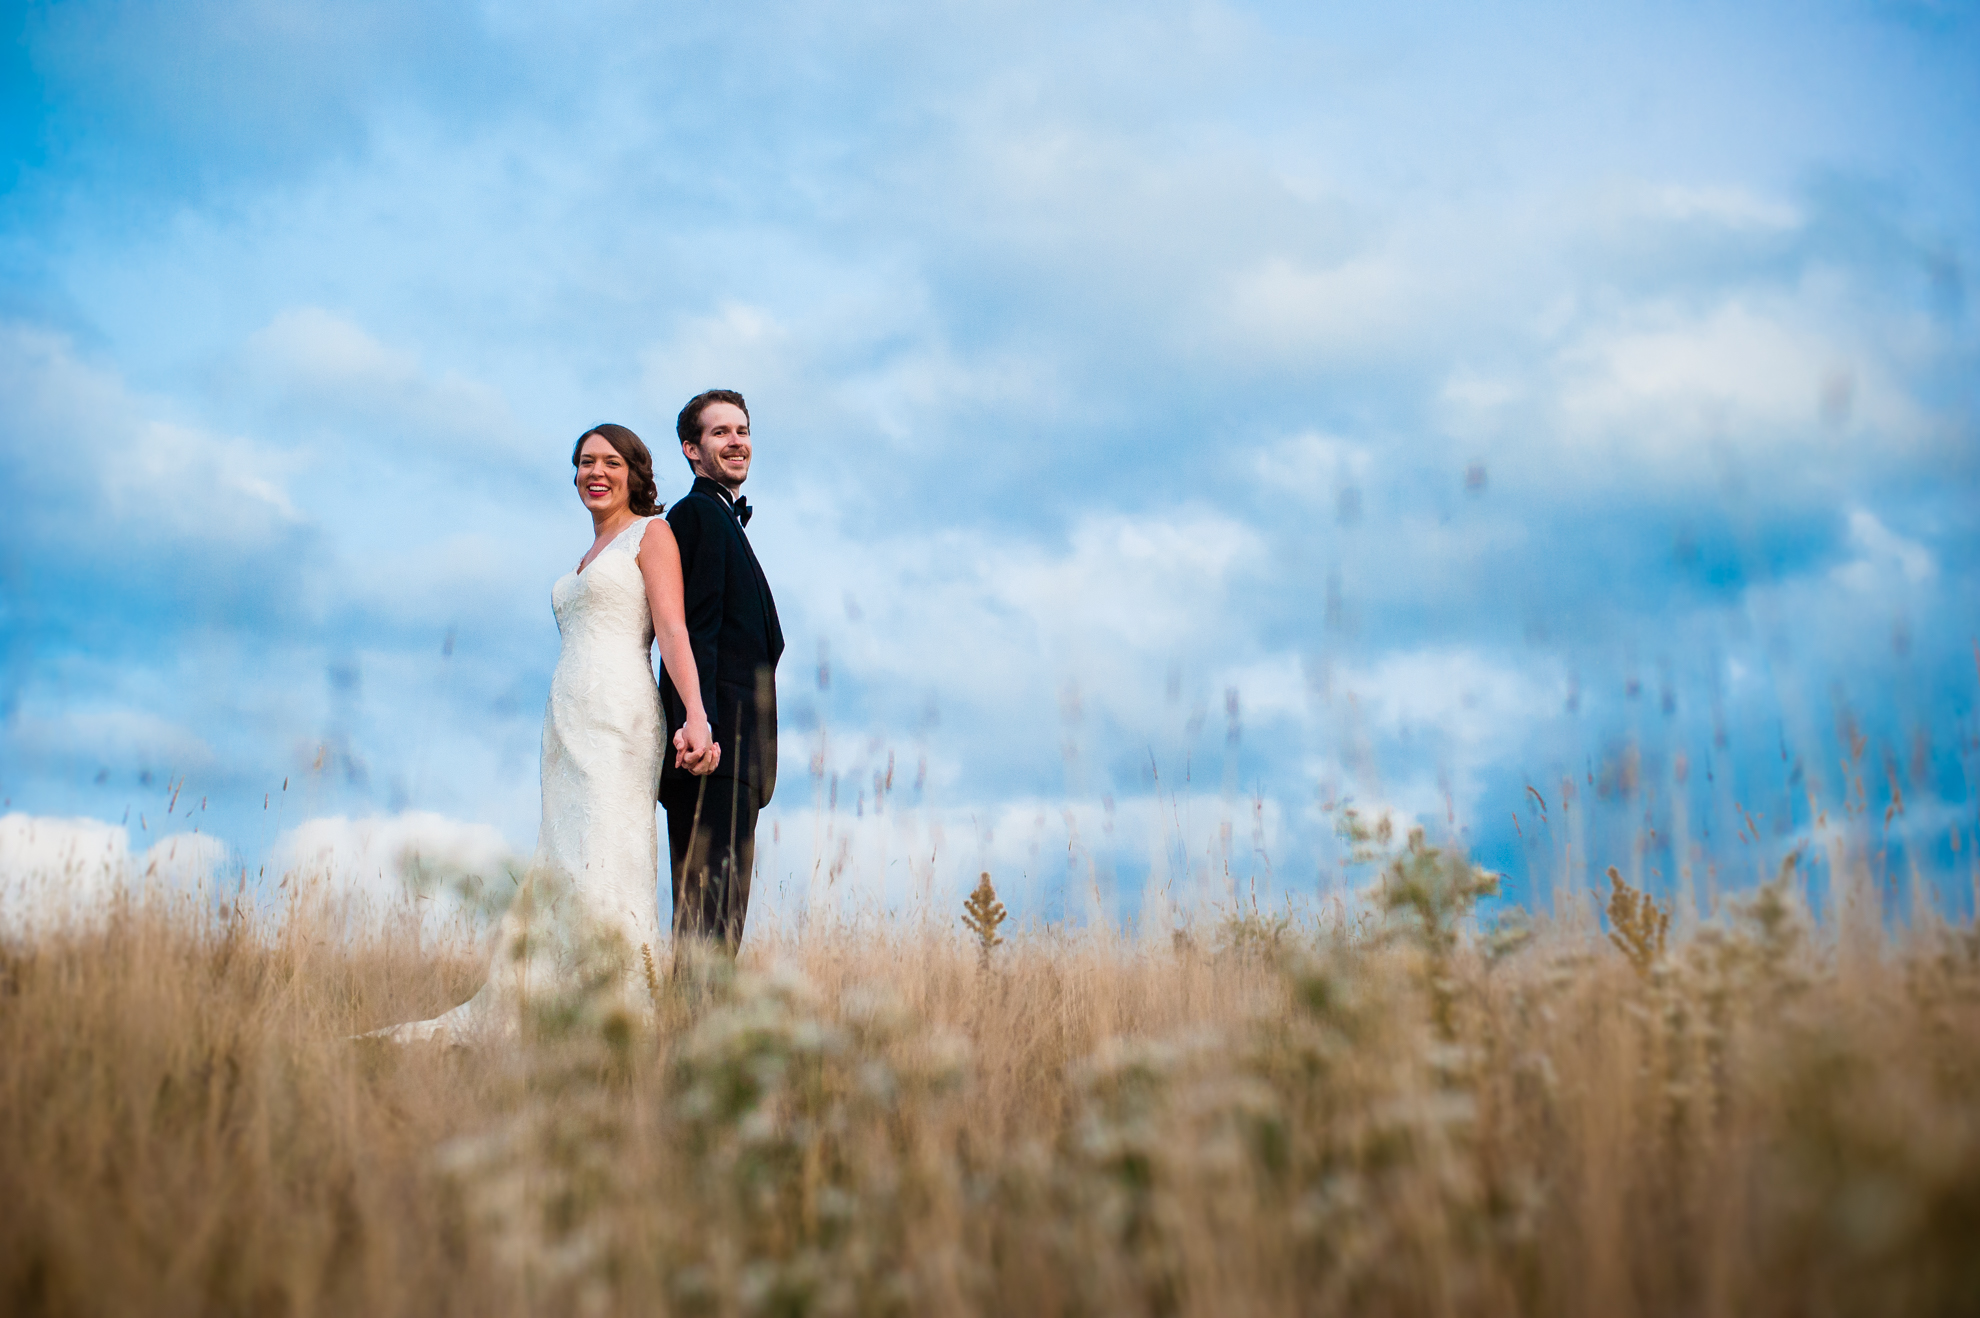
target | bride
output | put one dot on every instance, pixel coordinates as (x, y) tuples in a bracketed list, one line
[(591, 886)]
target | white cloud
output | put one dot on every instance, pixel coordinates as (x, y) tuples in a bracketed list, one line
[(1289, 307), (1751, 372), (109, 467), (312, 346), (1458, 710), (1796, 389), (1734, 366), (115, 737), (1459, 693), (1728, 207), (1884, 558), (333, 368), (1313, 466), (184, 860), (55, 873), (1144, 583), (375, 865), (63, 874), (735, 342), (867, 360), (999, 625), (1471, 400), (1050, 857)]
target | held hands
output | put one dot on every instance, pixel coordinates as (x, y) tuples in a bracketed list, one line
[(695, 748)]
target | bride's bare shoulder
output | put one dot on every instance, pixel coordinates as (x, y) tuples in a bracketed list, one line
[(657, 535)]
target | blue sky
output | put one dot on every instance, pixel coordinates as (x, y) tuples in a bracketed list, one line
[(1168, 416)]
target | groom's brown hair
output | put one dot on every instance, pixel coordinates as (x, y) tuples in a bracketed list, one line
[(688, 424), (642, 493)]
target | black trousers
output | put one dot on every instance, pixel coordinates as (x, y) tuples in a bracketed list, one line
[(711, 834)]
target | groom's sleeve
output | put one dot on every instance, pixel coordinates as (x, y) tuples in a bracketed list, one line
[(703, 575)]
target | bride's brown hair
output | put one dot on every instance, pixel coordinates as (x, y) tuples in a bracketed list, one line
[(642, 495)]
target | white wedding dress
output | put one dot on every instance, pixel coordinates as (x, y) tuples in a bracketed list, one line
[(590, 893)]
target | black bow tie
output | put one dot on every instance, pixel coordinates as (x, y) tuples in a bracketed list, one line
[(742, 510)]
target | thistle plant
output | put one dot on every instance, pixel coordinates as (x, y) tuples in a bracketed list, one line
[(982, 913), (1426, 894)]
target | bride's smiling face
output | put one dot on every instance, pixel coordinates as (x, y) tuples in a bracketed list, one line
[(602, 478)]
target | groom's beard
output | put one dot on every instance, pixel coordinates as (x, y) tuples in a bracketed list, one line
[(711, 471)]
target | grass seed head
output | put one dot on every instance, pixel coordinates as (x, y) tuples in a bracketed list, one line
[(1638, 925), (982, 913)]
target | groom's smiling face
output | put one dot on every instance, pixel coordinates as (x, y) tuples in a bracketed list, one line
[(723, 453)]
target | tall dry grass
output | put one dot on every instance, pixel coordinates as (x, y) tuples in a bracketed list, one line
[(1408, 1116)]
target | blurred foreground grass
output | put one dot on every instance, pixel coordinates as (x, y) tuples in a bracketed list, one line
[(1407, 1115)]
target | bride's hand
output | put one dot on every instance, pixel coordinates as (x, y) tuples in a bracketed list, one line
[(682, 758), (695, 748)]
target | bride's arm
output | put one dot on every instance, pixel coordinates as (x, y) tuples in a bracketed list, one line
[(660, 566)]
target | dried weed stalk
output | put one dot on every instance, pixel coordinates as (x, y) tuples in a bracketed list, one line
[(982, 913), (1637, 925)]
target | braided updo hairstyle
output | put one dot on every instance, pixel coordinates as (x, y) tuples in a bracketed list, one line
[(642, 495)]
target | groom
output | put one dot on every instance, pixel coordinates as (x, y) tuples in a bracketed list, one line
[(733, 631)]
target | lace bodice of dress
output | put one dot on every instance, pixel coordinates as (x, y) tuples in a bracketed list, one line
[(605, 604)]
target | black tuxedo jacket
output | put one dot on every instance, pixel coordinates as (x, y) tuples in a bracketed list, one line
[(733, 631)]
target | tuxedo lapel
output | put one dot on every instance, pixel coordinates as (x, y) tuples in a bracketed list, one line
[(772, 628)]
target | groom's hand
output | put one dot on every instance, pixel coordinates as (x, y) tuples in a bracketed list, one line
[(700, 764)]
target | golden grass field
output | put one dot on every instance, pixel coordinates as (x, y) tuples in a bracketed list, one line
[(1406, 1116)]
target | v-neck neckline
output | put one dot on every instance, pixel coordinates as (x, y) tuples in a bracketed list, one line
[(590, 559)]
